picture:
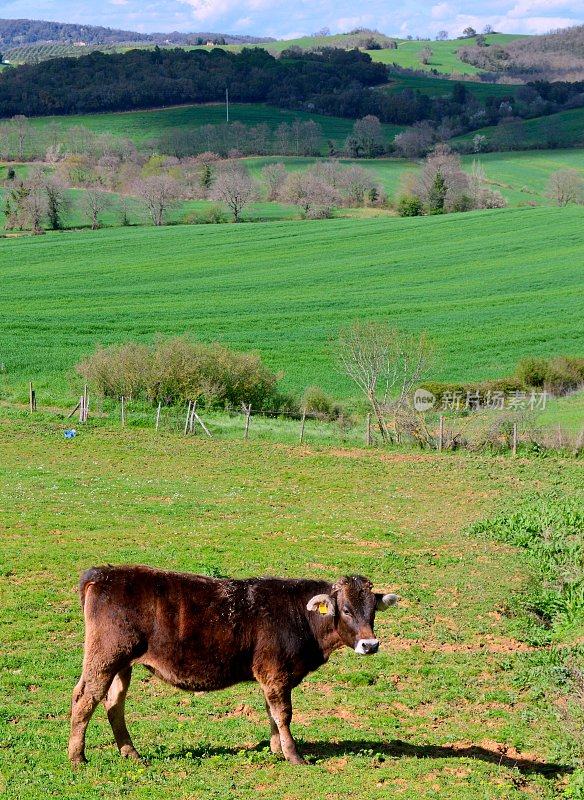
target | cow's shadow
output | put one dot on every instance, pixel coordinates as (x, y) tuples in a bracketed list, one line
[(393, 749)]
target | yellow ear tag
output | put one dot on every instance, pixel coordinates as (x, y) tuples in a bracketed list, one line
[(323, 608)]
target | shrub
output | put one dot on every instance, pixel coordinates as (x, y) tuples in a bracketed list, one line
[(557, 375), (316, 401), (119, 370), (177, 369), (410, 206)]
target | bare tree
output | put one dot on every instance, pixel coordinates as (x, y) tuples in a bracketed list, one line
[(35, 209), (385, 364), (274, 176), (160, 193), (234, 187), (415, 141), (22, 130), (366, 140), (426, 54), (313, 195), (442, 36), (95, 201), (566, 186), (446, 163)]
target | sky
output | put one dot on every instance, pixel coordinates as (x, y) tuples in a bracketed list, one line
[(292, 18)]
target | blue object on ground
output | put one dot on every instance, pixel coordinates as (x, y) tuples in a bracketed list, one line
[(71, 433)]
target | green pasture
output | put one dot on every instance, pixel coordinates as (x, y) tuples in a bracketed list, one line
[(440, 87), (144, 126), (489, 287), (556, 130), (444, 59), (446, 708)]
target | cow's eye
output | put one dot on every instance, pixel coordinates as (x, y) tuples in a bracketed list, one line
[(347, 611)]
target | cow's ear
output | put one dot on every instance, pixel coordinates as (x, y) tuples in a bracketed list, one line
[(383, 601), (322, 604)]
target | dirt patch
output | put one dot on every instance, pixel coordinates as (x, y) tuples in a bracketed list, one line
[(242, 710), (489, 644)]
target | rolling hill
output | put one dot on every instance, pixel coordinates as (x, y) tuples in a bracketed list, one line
[(444, 59), (566, 128), (506, 285), (145, 126)]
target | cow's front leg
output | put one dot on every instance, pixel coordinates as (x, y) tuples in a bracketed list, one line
[(279, 702), (275, 743)]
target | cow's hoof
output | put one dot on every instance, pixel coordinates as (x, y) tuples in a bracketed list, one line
[(127, 751), (298, 761), (275, 745), (77, 761)]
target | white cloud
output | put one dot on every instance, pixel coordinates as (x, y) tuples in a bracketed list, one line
[(441, 11), (345, 24)]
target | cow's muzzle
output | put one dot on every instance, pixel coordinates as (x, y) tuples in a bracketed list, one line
[(366, 647)]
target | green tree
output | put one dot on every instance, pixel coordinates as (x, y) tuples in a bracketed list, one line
[(437, 194)]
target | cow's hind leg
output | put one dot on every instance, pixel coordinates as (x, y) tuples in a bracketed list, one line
[(87, 695), (114, 703), (275, 743), (279, 700)]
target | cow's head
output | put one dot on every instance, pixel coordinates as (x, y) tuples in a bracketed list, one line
[(352, 604)]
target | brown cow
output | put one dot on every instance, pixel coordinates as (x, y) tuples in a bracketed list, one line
[(202, 634)]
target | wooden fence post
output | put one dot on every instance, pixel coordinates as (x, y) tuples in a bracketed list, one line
[(441, 434), (31, 398), (123, 411), (70, 414), (192, 417), (302, 426), (368, 431), (158, 415), (560, 439), (188, 417), (81, 407), (202, 424), (247, 416), (514, 440)]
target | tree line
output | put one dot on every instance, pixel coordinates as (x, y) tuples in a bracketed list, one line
[(144, 79)]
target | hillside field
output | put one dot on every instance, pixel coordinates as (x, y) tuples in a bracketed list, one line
[(144, 126), (489, 287), (556, 130), (444, 59), (520, 176)]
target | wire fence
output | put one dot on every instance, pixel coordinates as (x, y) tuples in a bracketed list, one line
[(476, 431)]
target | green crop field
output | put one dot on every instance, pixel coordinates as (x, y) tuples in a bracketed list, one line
[(444, 59), (563, 128), (521, 177), (489, 287), (144, 126), (440, 87), (454, 705)]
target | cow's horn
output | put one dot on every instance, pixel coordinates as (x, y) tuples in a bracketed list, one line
[(386, 600)]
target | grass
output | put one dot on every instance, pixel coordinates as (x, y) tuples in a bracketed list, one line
[(444, 59), (440, 87), (145, 126), (489, 287), (441, 710), (565, 128)]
